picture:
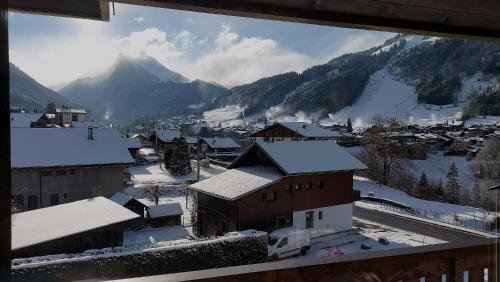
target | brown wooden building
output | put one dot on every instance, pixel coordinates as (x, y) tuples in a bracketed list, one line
[(295, 131), (280, 184)]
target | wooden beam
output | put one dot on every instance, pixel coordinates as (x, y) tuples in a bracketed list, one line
[(449, 18), (85, 9), (5, 234)]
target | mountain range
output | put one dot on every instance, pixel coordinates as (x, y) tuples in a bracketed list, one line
[(411, 72)]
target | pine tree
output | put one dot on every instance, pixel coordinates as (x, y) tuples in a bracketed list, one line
[(167, 158), (422, 187), (349, 125), (453, 185), (438, 192), (475, 195), (180, 163)]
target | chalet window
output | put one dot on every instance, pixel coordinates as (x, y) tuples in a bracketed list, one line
[(320, 184), (309, 219), (298, 186), (65, 195), (320, 215), (289, 187), (47, 172), (270, 196), (74, 117), (309, 185), (54, 199), (61, 172), (32, 202)]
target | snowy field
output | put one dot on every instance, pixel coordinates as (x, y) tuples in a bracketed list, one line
[(482, 120), (151, 236), (368, 233), (442, 212), (227, 116)]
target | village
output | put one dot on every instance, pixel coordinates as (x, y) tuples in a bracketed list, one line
[(181, 181)]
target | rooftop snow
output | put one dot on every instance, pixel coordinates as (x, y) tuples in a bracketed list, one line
[(24, 119), (235, 183), (217, 142), (71, 110), (168, 135), (132, 143), (47, 224), (309, 130), (51, 147), (120, 198), (165, 210), (310, 156)]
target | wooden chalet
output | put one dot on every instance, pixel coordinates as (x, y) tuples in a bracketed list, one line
[(271, 185), (165, 215), (220, 146), (282, 131)]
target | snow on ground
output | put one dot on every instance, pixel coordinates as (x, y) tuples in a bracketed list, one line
[(154, 235), (482, 120), (367, 232), (436, 167), (468, 216), (387, 95), (227, 116)]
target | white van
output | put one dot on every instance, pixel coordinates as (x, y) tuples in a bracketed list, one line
[(288, 242)]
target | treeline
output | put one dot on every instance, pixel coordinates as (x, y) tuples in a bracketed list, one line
[(485, 103)]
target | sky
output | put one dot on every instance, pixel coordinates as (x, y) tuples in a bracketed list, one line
[(228, 50)]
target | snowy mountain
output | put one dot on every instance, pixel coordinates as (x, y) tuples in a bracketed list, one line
[(416, 78), (138, 87), (27, 93)]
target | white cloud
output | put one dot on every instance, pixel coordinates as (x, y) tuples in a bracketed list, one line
[(359, 42), (139, 19), (226, 38)]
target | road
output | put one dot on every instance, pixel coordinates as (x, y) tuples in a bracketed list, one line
[(419, 227)]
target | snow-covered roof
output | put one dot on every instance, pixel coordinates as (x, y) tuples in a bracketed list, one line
[(310, 130), (51, 147), (191, 140), (24, 119), (168, 135), (121, 198), (221, 142), (47, 224), (71, 110), (308, 156), (235, 183), (165, 210), (132, 143)]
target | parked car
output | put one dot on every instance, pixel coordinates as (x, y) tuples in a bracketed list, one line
[(288, 242)]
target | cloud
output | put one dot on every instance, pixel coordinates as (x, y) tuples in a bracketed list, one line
[(139, 19), (359, 42)]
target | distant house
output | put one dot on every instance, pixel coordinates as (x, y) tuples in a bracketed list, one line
[(51, 166), (271, 185), (164, 138), (283, 131), (69, 228), (220, 146), (165, 215), (66, 116), (28, 120)]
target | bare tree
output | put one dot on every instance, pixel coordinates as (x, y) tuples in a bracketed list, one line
[(382, 148), (155, 192)]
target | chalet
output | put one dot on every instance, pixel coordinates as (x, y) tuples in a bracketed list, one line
[(28, 120), (162, 139), (295, 131), (69, 228), (165, 214), (51, 166), (271, 185), (66, 116), (220, 146)]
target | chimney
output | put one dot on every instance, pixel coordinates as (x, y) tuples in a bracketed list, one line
[(90, 133)]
